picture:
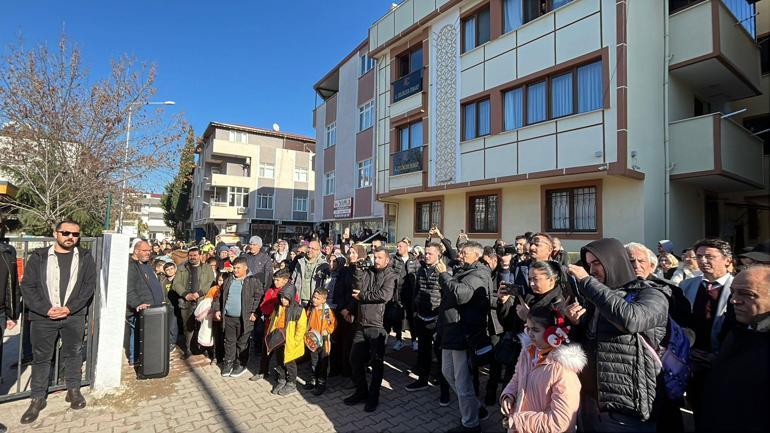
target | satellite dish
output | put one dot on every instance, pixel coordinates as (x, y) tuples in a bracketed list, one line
[(276, 127)]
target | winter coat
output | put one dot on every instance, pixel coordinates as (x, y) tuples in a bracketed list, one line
[(296, 326), (10, 296), (261, 266), (736, 397), (343, 289), (323, 321), (301, 268), (182, 285), (547, 395), (269, 301), (377, 287), (251, 293), (427, 292), (140, 288), (495, 327), (464, 305), (690, 288), (407, 274), (621, 374), (34, 288), (506, 311)]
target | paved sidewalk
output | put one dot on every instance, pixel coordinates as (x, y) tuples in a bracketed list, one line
[(194, 397)]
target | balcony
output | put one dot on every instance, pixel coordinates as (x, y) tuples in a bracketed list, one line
[(407, 85), (218, 179), (221, 211), (713, 53), (407, 161), (715, 153), (225, 148)]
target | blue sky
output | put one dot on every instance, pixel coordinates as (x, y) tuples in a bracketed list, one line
[(248, 62)]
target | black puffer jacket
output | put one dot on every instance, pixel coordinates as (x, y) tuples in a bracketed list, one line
[(428, 292), (464, 305), (376, 288), (621, 374), (407, 274)]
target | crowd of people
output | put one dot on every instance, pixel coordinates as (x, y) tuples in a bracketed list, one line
[(617, 338)]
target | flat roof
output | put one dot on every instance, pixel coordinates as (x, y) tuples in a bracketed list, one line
[(258, 131)]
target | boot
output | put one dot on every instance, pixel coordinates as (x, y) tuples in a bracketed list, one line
[(35, 406), (75, 398)]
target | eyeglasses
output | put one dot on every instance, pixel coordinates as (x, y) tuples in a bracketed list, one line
[(66, 233)]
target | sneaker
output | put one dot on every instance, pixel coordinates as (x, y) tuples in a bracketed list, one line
[(237, 371), (483, 414), (414, 346), (309, 384), (227, 370), (257, 377), (278, 386), (443, 401), (417, 385), (289, 388), (398, 345)]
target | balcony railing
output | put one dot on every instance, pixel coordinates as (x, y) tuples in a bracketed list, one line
[(407, 161), (407, 85)]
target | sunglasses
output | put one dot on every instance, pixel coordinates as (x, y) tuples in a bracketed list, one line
[(66, 233)]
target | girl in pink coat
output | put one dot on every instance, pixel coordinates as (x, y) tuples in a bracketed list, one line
[(544, 393)]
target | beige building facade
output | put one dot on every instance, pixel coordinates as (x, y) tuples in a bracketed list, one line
[(251, 181), (581, 118)]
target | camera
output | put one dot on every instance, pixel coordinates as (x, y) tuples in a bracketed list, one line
[(512, 289), (365, 263)]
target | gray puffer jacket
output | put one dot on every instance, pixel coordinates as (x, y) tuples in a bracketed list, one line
[(464, 305)]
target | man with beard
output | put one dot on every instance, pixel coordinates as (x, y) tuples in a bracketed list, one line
[(57, 287), (192, 282)]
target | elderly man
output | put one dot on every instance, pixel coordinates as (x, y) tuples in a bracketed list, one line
[(283, 251), (736, 397), (463, 325), (310, 272), (619, 383), (644, 262), (260, 263)]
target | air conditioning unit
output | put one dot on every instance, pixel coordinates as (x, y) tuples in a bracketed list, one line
[(243, 210)]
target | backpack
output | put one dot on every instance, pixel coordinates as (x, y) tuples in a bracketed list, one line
[(673, 362)]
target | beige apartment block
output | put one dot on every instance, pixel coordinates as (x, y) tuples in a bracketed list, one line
[(251, 181), (635, 119)]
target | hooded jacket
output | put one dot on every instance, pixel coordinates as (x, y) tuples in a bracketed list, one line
[(464, 305), (295, 325), (546, 395), (621, 373)]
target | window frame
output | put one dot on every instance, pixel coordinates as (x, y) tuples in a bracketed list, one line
[(408, 127), (469, 197), (545, 205), (367, 64), (418, 203), (362, 112), (294, 202), (234, 192), (265, 196), (299, 170), (475, 102), (407, 54), (329, 176), (331, 131), (364, 165), (475, 16), (261, 168)]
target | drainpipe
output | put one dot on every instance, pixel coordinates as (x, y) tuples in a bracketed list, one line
[(666, 132)]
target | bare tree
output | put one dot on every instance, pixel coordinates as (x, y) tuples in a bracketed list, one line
[(62, 139)]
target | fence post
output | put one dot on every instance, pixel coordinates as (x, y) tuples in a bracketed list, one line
[(113, 280)]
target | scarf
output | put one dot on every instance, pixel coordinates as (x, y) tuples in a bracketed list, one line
[(52, 277)]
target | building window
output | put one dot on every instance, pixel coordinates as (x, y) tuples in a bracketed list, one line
[(475, 119), (409, 62), (365, 173), (571, 209), (264, 201), (238, 137), (427, 215), (483, 213), (513, 109), (266, 170), (475, 30), (561, 95), (590, 87), (299, 204), (512, 15), (300, 175), (410, 136), (366, 116), (367, 63), (535, 8), (764, 53), (536, 103), (331, 135), (219, 196), (238, 196), (329, 183)]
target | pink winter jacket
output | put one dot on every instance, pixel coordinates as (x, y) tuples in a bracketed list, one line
[(547, 396)]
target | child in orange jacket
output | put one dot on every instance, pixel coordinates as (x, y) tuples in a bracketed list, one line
[(321, 324)]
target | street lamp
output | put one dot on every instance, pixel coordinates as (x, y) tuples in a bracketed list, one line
[(125, 156)]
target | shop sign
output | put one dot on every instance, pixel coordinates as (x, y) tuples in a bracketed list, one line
[(343, 208)]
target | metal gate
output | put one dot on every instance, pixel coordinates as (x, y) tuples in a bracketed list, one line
[(16, 349)]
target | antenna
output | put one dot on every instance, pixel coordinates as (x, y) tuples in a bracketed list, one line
[(276, 127)]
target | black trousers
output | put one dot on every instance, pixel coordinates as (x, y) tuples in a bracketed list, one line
[(44, 334), (289, 369), (319, 362), (189, 326), (426, 348), (342, 340), (368, 346), (237, 336), (495, 373)]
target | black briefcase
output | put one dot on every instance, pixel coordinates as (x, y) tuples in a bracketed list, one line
[(153, 343)]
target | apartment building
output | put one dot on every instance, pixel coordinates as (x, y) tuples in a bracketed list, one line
[(252, 181), (581, 118), (345, 124), (146, 218)]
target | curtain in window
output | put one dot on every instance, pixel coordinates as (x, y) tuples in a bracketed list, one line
[(589, 81), (511, 15), (469, 30), (560, 210), (470, 122), (536, 102), (415, 135), (415, 61), (513, 109), (484, 117), (436, 213), (404, 139), (561, 95), (479, 214), (424, 217), (483, 18), (492, 213), (585, 208)]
